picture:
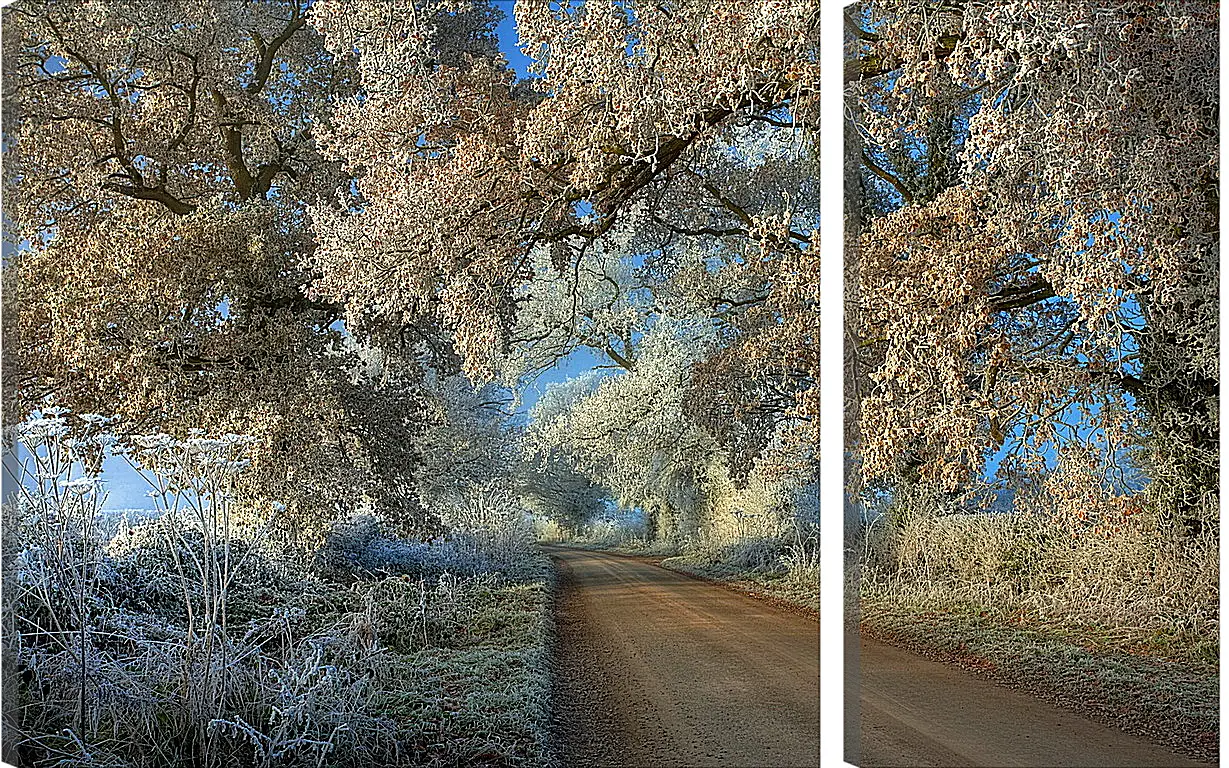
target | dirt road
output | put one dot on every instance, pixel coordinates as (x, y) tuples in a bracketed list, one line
[(660, 669), (917, 712)]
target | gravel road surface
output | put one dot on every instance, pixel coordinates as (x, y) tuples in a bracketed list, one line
[(657, 668)]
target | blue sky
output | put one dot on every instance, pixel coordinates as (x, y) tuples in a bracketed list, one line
[(583, 359), (508, 40), (580, 361)]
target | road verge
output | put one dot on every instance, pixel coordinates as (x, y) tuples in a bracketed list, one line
[(1169, 701)]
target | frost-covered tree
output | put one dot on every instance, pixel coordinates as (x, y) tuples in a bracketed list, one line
[(160, 158), (762, 294), (628, 432), (599, 301), (1038, 238), (553, 489), (759, 384), (211, 196), (466, 440), (632, 435)]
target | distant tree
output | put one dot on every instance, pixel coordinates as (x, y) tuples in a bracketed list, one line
[(599, 302), (551, 487), (1037, 255), (628, 433)]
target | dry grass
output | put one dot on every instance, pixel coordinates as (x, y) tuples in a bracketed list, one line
[(436, 661), (1140, 588), (795, 588)]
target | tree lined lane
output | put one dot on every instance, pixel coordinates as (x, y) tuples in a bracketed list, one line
[(660, 669)]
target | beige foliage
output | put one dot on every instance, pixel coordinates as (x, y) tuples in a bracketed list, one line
[(1041, 184)]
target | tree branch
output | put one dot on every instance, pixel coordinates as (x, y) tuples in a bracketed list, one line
[(896, 183), (623, 362), (1021, 296), (232, 143), (157, 194), (267, 52), (711, 231), (857, 30)]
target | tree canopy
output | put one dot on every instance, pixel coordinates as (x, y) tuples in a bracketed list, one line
[(1036, 266), (301, 220)]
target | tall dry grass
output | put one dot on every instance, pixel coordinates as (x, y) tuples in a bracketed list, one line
[(1133, 579)]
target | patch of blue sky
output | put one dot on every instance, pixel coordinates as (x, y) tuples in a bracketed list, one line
[(569, 7), (583, 210), (1078, 421), (509, 42), (431, 151), (126, 489), (10, 246), (579, 362), (290, 76), (1079, 424), (121, 485)]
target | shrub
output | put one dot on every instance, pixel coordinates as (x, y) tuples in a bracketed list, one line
[(360, 548)]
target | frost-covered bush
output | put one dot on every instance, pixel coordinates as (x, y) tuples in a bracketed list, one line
[(741, 540), (619, 528), (760, 553), (447, 612), (487, 532), (360, 547), (324, 708), (778, 551), (490, 523), (801, 556), (125, 641)]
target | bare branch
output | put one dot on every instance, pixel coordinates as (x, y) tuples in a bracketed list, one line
[(267, 52)]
